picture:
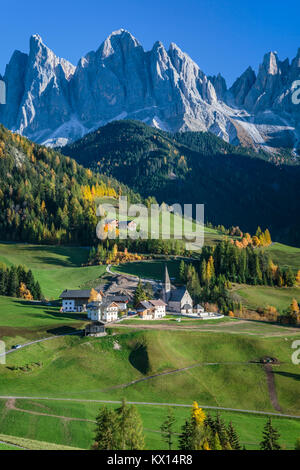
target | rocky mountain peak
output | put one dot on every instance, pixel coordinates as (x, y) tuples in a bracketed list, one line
[(118, 41), (51, 101)]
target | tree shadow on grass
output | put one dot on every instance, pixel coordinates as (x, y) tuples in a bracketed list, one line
[(289, 375), (139, 359), (74, 258), (64, 330)]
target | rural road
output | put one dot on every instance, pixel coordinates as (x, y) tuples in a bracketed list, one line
[(82, 400), (38, 341)]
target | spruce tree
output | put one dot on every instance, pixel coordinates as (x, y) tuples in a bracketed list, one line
[(13, 282), (270, 437), (233, 437), (38, 291), (140, 294), (186, 436), (107, 430), (167, 428), (221, 430), (216, 443), (182, 271), (130, 428)]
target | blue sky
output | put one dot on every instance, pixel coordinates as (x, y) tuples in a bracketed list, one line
[(220, 35)]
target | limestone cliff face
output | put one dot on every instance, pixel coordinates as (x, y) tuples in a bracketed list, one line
[(52, 102)]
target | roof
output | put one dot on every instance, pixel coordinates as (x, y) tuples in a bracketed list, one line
[(149, 304), (157, 303), (145, 304), (167, 277), (95, 304), (118, 298), (177, 294), (108, 303), (76, 294)]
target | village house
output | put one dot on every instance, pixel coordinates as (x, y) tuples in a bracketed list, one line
[(77, 300), (120, 300), (151, 309), (105, 311)]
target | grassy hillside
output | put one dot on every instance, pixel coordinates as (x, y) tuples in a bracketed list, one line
[(23, 321), (285, 256), (55, 267), (94, 368), (91, 368), (80, 433), (261, 296)]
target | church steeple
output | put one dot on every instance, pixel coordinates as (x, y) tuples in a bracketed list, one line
[(166, 286), (167, 280)]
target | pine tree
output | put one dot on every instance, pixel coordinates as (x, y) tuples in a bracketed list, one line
[(203, 277), (38, 291), (130, 428), (270, 437), (233, 437), (30, 282), (186, 436), (182, 271), (221, 430), (167, 428), (139, 294), (13, 282), (216, 444), (107, 430)]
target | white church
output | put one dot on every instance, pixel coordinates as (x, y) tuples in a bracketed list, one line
[(178, 299)]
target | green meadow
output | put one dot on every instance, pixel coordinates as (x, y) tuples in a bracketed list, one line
[(285, 256), (22, 321), (55, 267), (91, 368), (261, 296), (55, 423)]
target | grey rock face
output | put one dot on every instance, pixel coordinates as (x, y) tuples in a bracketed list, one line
[(242, 86), (52, 102)]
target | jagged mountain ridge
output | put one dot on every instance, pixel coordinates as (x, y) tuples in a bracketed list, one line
[(53, 102)]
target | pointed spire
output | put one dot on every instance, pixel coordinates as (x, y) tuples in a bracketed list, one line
[(167, 280)]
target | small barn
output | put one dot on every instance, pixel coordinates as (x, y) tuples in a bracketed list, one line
[(96, 328)]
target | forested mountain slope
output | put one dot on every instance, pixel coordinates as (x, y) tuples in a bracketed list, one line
[(237, 185), (47, 197)]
